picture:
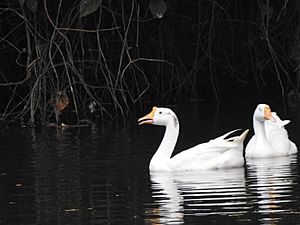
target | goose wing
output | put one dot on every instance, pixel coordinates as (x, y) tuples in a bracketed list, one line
[(217, 153), (278, 136)]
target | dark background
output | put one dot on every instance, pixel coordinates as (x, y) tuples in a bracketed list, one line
[(118, 55)]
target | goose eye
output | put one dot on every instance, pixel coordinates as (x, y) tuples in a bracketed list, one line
[(159, 112)]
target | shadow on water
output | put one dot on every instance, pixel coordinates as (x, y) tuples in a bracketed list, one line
[(96, 175)]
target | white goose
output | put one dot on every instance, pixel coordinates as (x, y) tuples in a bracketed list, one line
[(215, 154), (270, 138)]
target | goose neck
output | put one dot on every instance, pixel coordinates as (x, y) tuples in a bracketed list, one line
[(166, 147), (259, 129)]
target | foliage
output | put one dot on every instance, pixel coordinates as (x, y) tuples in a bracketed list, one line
[(158, 8), (115, 54), (88, 6)]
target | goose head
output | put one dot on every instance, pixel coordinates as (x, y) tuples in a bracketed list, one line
[(262, 113), (160, 116)]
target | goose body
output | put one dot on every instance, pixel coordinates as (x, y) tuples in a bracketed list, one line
[(221, 152), (270, 138)]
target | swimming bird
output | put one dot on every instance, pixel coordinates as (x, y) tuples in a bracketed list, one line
[(221, 152), (270, 138)]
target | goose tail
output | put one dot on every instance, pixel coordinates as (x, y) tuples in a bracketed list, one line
[(238, 139)]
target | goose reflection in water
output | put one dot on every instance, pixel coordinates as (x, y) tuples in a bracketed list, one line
[(166, 193), (200, 193), (271, 182)]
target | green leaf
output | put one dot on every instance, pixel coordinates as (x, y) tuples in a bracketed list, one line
[(88, 6), (32, 5)]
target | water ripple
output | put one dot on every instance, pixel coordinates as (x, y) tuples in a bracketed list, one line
[(262, 191)]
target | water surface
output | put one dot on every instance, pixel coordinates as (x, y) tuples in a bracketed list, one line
[(99, 175)]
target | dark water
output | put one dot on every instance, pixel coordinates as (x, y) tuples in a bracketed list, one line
[(99, 175)]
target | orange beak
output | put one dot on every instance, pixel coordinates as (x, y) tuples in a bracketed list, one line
[(267, 113), (148, 119)]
